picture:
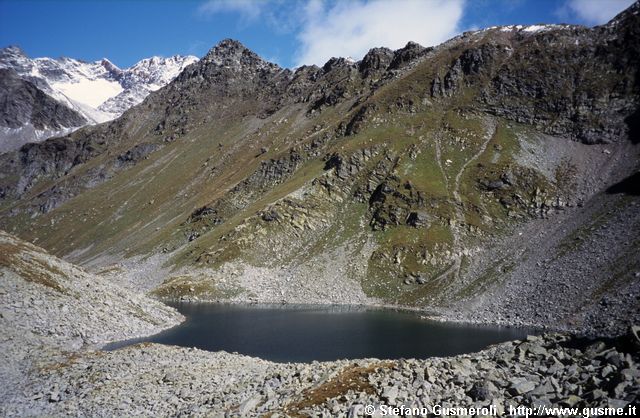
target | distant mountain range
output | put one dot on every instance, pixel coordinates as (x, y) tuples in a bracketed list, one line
[(83, 92)]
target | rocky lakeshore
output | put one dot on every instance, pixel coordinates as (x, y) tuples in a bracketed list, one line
[(49, 307), (52, 366), (153, 380)]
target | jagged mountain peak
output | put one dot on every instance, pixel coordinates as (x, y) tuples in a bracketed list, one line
[(412, 45), (228, 46), (378, 59), (110, 67), (12, 50), (375, 58), (378, 50), (13, 55), (337, 62), (410, 52), (158, 60), (155, 72), (232, 53)]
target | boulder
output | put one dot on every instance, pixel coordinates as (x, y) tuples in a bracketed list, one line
[(496, 185), (482, 391), (249, 405), (521, 387), (418, 219)]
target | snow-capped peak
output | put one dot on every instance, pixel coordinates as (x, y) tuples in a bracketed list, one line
[(145, 76), (156, 71), (110, 67), (13, 50), (99, 90)]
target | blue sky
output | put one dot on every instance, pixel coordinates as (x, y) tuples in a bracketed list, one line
[(288, 32)]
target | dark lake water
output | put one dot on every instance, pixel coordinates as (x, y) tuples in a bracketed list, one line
[(306, 333)]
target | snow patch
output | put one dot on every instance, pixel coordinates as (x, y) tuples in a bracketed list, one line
[(536, 28), (530, 28), (92, 92)]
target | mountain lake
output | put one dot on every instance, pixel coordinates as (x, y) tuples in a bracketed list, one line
[(304, 333)]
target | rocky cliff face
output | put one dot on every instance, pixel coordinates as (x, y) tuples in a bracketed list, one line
[(589, 77), (24, 104), (27, 108), (408, 177)]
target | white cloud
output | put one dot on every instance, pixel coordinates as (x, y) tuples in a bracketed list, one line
[(351, 28), (248, 9), (596, 12), (282, 16)]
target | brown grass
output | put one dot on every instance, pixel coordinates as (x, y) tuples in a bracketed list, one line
[(33, 270), (355, 378), (69, 360)]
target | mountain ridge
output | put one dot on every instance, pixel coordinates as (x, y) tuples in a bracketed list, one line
[(99, 91)]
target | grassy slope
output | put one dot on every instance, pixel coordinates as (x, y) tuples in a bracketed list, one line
[(141, 211)]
